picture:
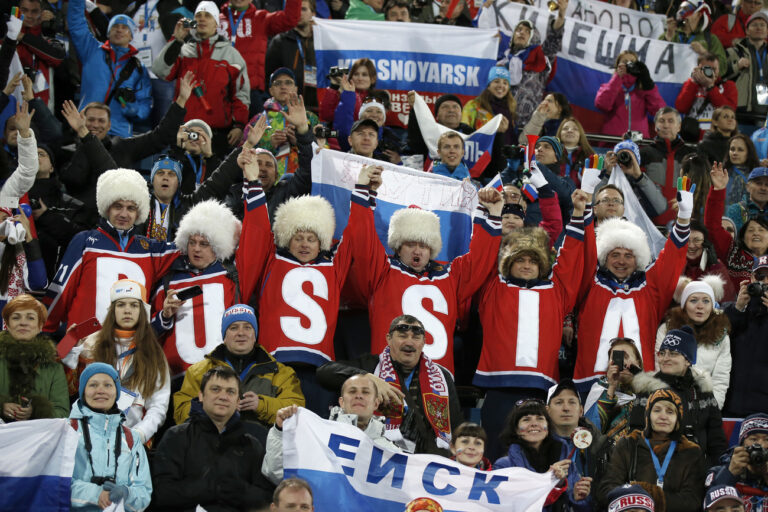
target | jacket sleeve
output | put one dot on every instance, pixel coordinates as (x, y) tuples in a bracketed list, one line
[(140, 146), (289, 392), (35, 276), (167, 63), (652, 200), (664, 273), (159, 324), (344, 117), (281, 21), (90, 159), (551, 218), (50, 51), (608, 94), (713, 214), (23, 177), (570, 263), (532, 127), (272, 466), (554, 40), (46, 124), (190, 389), (58, 394), (471, 270), (218, 184), (333, 374), (240, 90), (65, 283), (173, 488), (687, 96), (729, 96), (156, 408), (721, 376), (256, 240), (79, 33), (328, 104), (140, 488)]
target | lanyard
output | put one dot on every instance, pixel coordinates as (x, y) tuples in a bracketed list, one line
[(680, 38), (197, 168), (244, 372), (127, 353), (301, 49), (147, 23), (232, 25), (661, 471), (626, 94), (408, 386), (760, 58)]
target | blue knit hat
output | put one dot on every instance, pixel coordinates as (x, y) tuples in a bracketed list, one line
[(555, 143), (754, 423), (497, 72), (94, 368), (165, 162), (681, 340), (122, 19), (631, 146), (239, 313)]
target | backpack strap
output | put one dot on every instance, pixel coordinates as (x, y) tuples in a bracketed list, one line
[(128, 436), (127, 70)]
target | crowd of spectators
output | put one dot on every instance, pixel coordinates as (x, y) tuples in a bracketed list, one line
[(170, 284)]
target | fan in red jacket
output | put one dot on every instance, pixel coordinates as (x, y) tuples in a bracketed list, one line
[(252, 30), (411, 282), (36, 51), (705, 91)]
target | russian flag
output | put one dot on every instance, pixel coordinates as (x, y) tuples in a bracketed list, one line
[(37, 464), (335, 174), (496, 183)]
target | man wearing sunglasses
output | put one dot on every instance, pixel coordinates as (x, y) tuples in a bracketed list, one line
[(418, 397)]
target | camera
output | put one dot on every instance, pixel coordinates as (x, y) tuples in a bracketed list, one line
[(633, 68), (390, 145), (34, 203), (337, 72), (512, 151), (757, 455), (708, 71), (101, 480), (323, 132), (624, 158), (191, 135), (188, 23), (30, 72), (757, 289), (128, 95)]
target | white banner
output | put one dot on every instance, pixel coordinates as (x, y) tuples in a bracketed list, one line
[(348, 472)]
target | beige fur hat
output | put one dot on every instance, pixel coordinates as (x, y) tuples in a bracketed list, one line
[(304, 213), (415, 225), (122, 185)]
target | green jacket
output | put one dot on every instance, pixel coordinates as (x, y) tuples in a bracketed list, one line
[(359, 10), (709, 41), (31, 369)]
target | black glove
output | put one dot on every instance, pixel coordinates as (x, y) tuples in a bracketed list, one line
[(644, 76)]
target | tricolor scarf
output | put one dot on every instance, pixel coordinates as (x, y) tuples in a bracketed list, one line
[(159, 222), (434, 396), (529, 59)]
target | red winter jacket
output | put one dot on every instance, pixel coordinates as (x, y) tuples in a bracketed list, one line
[(725, 34), (253, 32), (723, 93), (40, 53)]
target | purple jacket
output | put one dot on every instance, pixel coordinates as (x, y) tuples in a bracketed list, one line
[(610, 99)]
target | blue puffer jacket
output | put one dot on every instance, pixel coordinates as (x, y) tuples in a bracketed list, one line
[(516, 459), (102, 64), (132, 465)]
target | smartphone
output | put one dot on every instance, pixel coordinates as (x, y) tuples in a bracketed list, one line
[(80, 331), (617, 358), (188, 293)]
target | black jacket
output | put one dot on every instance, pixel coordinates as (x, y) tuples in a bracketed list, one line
[(196, 465), (89, 161), (283, 51), (748, 390), (188, 174), (714, 145), (333, 374)]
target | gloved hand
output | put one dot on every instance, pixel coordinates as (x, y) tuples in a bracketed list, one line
[(117, 493), (14, 28), (537, 178), (685, 190), (590, 178), (644, 76)]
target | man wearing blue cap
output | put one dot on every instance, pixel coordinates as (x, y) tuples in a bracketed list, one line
[(111, 74), (265, 384), (756, 205)]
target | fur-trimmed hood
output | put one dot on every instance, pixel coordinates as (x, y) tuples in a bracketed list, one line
[(616, 232), (532, 241), (304, 213), (215, 222), (123, 185), (415, 225), (709, 333), (648, 382)]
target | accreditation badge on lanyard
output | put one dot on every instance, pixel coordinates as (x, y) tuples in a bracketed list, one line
[(761, 89)]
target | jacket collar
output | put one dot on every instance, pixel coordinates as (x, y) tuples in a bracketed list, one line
[(112, 231)]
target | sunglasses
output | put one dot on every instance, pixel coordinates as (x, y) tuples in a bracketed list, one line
[(417, 330), (526, 401)]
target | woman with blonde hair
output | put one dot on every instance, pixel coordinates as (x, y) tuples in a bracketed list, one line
[(577, 149)]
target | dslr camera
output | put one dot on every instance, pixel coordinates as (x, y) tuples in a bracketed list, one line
[(758, 455), (757, 290), (624, 158), (337, 72), (511, 151), (633, 68), (323, 132), (708, 71), (128, 95)]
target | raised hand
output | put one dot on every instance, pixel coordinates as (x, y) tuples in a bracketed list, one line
[(13, 83), (685, 190), (75, 119), (580, 200), (257, 131), (185, 88), (23, 119), (491, 199), (297, 114), (249, 164), (719, 176)]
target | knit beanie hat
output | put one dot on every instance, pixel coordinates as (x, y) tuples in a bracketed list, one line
[(122, 19), (199, 123), (239, 313), (446, 97), (166, 162), (752, 424), (91, 370), (629, 497), (210, 8), (497, 72), (513, 209), (661, 395), (712, 285), (557, 147), (759, 15), (371, 104), (681, 340), (718, 493), (629, 145), (127, 289), (45, 147)]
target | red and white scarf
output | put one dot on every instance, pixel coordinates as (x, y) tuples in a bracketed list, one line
[(434, 396)]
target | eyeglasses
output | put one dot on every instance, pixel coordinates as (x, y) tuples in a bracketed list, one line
[(610, 201), (526, 401), (283, 82), (417, 330), (668, 353), (696, 241)]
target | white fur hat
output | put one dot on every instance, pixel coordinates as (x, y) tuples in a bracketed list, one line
[(122, 185), (712, 285), (304, 213), (215, 222), (415, 225), (616, 232)]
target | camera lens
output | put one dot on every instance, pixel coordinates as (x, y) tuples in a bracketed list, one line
[(624, 158)]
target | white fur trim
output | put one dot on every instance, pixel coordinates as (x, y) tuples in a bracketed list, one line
[(304, 213), (122, 185), (415, 225), (215, 222), (616, 232)]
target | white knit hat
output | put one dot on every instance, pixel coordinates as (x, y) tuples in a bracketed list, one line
[(712, 285), (371, 104), (415, 225), (210, 8), (304, 213), (617, 232), (127, 289), (215, 222), (122, 185)]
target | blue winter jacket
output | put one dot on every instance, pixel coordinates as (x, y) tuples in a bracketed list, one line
[(516, 459), (132, 465), (101, 66), (459, 173)]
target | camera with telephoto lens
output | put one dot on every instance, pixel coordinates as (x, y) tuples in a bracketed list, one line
[(624, 158), (757, 289), (708, 71), (101, 480), (337, 72), (323, 132), (633, 68), (188, 23), (192, 135), (512, 151), (128, 95), (757, 455)]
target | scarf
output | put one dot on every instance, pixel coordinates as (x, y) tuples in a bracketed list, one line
[(159, 221), (434, 396), (530, 59), (124, 348), (24, 358)]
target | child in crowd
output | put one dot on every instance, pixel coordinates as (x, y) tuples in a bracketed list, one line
[(468, 446)]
